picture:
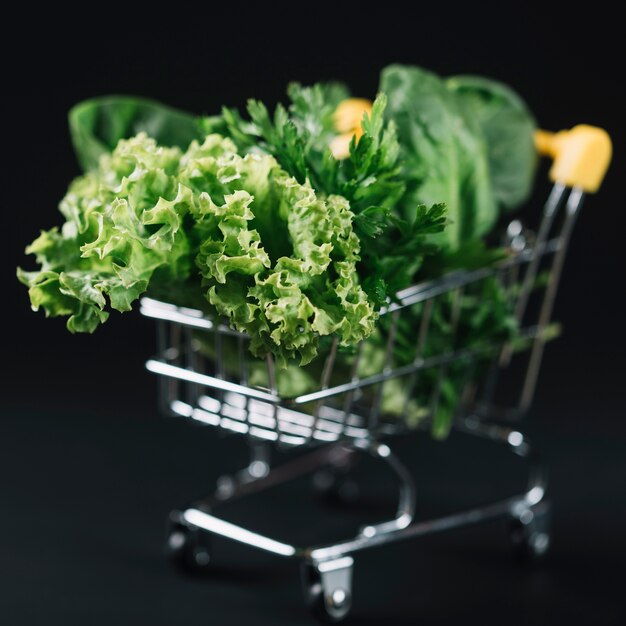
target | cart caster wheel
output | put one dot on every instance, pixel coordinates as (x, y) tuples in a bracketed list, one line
[(327, 588), (530, 533), (334, 481), (335, 488), (188, 548)]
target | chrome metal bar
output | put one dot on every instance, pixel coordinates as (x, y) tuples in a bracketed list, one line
[(161, 328), (443, 369), (181, 315), (219, 354), (407, 495), (491, 381), (549, 213), (496, 433), (271, 379), (451, 281), (468, 395), (301, 466), (176, 348), (398, 372), (200, 519), (574, 202), (243, 360), (165, 385), (347, 405), (212, 524), (533, 495), (243, 356), (512, 279), (180, 373), (190, 362), (509, 277), (550, 210), (326, 374), (371, 536), (422, 335), (391, 338), (425, 291), (258, 467), (519, 444), (418, 529)]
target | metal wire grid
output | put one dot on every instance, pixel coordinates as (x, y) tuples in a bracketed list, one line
[(217, 393)]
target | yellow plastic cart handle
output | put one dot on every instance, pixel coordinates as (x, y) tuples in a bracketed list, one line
[(581, 155)]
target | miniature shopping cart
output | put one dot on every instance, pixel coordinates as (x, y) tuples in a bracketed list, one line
[(347, 417)]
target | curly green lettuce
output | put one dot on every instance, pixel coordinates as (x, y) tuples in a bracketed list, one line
[(299, 137), (273, 257), (255, 220), (123, 225), (276, 259)]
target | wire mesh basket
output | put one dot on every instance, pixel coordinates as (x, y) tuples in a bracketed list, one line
[(213, 385)]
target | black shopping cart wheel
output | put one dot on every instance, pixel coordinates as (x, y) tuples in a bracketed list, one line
[(530, 532), (187, 548), (334, 483)]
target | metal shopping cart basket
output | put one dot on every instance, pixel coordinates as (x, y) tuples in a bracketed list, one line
[(334, 417)]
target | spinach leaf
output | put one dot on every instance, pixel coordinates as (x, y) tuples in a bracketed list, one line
[(445, 158), (465, 141), (508, 127), (98, 124)]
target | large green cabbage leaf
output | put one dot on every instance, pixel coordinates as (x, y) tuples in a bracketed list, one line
[(467, 142), (508, 127)]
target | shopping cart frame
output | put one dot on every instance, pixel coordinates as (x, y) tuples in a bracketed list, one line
[(327, 568)]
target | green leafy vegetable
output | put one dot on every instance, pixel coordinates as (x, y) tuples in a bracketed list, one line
[(465, 142), (369, 179), (254, 219), (300, 285), (508, 128), (123, 224), (97, 125), (275, 259)]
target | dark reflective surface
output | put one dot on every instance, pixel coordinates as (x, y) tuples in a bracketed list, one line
[(85, 495)]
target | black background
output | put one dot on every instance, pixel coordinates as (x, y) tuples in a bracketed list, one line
[(87, 468)]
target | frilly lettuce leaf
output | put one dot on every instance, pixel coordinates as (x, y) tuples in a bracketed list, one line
[(256, 218), (276, 259), (370, 178), (123, 223)]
